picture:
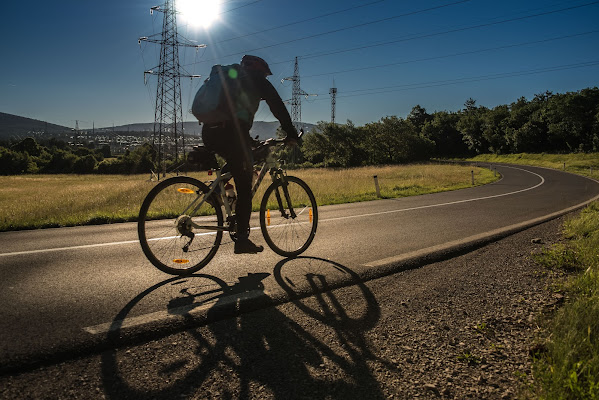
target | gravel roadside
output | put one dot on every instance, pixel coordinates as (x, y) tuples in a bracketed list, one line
[(462, 328)]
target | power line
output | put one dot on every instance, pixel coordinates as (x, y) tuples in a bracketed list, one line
[(342, 29), (508, 46), (302, 21), (237, 8), (405, 39), (429, 35), (424, 85)]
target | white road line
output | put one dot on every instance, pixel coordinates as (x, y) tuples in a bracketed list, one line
[(88, 246), (85, 246), (443, 204), (478, 237)]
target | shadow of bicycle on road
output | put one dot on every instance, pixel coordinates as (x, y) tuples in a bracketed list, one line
[(314, 346)]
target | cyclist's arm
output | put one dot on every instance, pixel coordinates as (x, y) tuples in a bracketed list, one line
[(277, 107)]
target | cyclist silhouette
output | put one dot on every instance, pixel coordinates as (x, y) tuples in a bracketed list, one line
[(231, 139)]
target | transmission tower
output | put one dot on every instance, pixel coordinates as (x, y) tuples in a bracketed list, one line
[(296, 93), (169, 136), (333, 93)]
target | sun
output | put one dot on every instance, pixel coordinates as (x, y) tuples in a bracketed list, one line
[(200, 13)]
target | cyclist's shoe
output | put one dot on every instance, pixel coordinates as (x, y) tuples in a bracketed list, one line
[(245, 246)]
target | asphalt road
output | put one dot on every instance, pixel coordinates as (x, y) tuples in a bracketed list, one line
[(76, 290)]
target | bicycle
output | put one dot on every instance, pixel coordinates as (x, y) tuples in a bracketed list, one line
[(181, 220)]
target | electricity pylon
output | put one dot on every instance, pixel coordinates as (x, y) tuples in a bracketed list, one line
[(169, 136), (333, 93), (296, 93)]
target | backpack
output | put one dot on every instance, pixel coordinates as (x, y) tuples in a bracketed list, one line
[(216, 98)]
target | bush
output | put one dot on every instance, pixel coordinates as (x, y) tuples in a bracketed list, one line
[(13, 162)]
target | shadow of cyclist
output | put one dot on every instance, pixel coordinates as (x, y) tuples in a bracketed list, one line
[(273, 352)]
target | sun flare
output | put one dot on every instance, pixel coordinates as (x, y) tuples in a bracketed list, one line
[(199, 13)]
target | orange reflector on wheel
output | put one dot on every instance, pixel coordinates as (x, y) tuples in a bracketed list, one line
[(185, 190), (268, 217), (180, 261), (310, 214)]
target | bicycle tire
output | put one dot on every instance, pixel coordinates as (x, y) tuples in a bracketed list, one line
[(164, 231), (285, 235)]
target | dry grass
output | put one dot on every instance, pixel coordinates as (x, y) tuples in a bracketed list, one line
[(357, 184), (38, 201), (586, 164)]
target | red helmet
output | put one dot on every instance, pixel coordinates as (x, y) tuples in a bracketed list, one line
[(254, 63)]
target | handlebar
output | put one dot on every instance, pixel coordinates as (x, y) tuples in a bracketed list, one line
[(274, 141), (260, 150)]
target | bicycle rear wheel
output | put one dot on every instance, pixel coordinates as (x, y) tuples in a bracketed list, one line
[(288, 216), (174, 236)]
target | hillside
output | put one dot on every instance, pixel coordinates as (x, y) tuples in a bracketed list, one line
[(12, 126)]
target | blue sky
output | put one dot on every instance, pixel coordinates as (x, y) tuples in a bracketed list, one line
[(80, 60)]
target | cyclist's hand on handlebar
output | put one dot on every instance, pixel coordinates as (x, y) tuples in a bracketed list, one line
[(292, 141), (255, 143)]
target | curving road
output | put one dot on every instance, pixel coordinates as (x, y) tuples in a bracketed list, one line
[(71, 290)]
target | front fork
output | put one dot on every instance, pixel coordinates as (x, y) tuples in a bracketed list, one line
[(279, 176)]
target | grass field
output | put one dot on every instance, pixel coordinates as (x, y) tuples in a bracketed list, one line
[(38, 201), (586, 164)]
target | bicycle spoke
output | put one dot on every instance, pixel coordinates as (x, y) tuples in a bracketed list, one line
[(288, 231), (174, 245)]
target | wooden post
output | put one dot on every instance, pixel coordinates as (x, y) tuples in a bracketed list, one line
[(376, 186)]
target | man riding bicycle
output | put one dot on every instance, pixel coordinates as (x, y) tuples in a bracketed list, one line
[(230, 137)]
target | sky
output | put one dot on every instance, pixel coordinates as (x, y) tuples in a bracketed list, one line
[(79, 61)]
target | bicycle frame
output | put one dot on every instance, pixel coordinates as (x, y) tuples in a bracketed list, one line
[(269, 165)]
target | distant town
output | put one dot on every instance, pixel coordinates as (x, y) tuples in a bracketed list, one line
[(118, 138), (119, 142)]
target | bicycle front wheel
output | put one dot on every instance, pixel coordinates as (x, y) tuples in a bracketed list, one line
[(288, 216), (179, 228)]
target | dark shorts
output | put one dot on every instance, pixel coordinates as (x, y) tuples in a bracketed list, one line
[(232, 141)]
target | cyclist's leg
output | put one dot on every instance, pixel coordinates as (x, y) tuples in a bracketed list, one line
[(241, 164), (233, 142)]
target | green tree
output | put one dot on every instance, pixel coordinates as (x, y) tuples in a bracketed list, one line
[(13, 162), (418, 117), (442, 130), (570, 120), (62, 162), (471, 125), (145, 158), (28, 145), (394, 140), (494, 123), (85, 164), (334, 145), (140, 160), (105, 150)]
